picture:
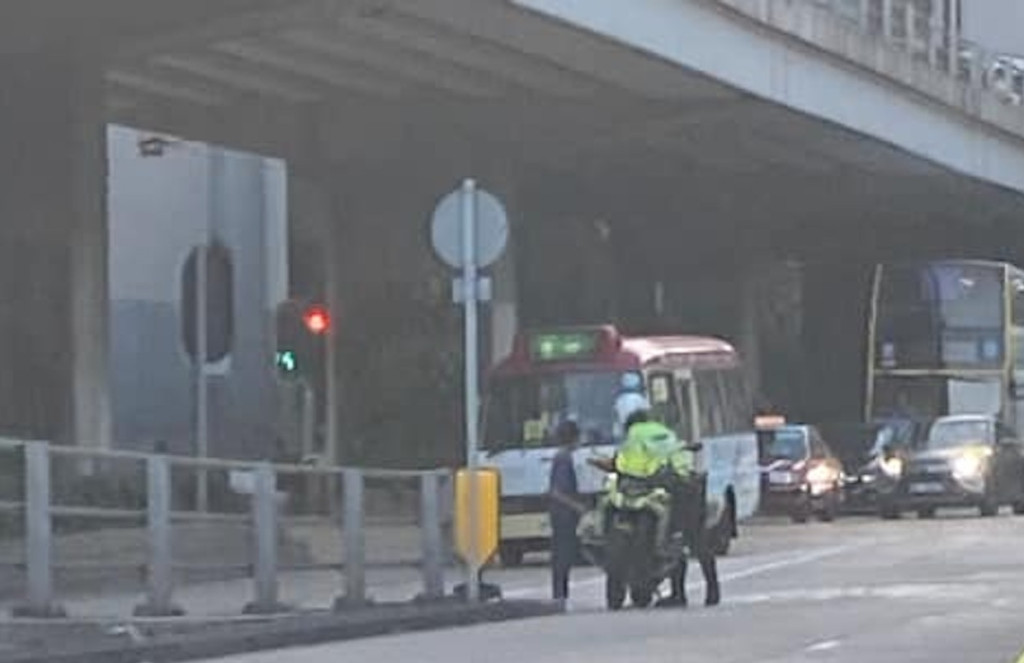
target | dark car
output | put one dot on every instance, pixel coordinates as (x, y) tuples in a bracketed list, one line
[(802, 476), (872, 456), (962, 461)]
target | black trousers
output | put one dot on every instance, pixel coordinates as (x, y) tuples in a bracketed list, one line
[(689, 515), (564, 548)]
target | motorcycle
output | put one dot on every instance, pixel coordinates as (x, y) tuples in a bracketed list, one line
[(621, 537)]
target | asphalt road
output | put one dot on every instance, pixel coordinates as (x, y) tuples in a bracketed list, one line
[(949, 590)]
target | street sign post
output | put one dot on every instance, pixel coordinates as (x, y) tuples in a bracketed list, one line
[(469, 231)]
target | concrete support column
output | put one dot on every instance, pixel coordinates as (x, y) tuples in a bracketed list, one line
[(90, 304), (53, 250), (504, 308), (748, 333)]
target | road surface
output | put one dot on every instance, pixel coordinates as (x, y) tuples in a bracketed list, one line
[(949, 590)]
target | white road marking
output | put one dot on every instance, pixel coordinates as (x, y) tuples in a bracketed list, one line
[(795, 560), (788, 561), (825, 645)]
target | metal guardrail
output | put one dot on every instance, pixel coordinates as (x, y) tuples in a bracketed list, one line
[(927, 37), (39, 509)]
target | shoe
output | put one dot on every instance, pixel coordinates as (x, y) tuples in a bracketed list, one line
[(713, 597), (671, 602)]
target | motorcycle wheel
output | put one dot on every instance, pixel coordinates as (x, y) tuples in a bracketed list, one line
[(641, 595), (616, 569)]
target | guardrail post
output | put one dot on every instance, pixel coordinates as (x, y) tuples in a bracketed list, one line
[(353, 538), (430, 529), (264, 512), (38, 535), (160, 572)]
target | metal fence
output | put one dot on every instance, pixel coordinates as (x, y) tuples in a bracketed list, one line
[(927, 32), (77, 522)]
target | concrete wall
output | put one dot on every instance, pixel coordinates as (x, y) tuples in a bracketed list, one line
[(160, 207)]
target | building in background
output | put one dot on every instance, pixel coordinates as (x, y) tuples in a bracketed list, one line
[(164, 197), (997, 25)]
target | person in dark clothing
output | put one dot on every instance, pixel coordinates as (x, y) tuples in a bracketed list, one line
[(564, 509), (691, 508)]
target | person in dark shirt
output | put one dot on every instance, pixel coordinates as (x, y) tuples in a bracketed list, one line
[(564, 509)]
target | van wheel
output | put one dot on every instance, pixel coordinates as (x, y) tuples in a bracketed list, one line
[(511, 555), (831, 509), (988, 508), (801, 511), (889, 512), (721, 537), (1018, 508), (925, 513)]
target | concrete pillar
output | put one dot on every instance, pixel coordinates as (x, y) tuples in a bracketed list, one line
[(90, 307), (53, 250), (748, 337), (504, 308)]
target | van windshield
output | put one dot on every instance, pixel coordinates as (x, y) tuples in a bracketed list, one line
[(788, 444), (953, 433), (525, 411)]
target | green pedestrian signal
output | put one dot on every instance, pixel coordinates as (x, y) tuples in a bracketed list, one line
[(287, 361)]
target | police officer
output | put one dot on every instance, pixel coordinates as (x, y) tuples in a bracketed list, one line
[(650, 447), (564, 509)]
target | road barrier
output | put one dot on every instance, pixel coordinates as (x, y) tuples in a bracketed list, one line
[(48, 492)]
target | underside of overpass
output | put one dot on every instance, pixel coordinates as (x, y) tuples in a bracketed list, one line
[(640, 191)]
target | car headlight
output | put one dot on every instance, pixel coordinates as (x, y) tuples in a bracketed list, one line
[(892, 467), (820, 474), (968, 466)]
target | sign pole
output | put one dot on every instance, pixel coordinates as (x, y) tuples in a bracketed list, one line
[(469, 231), (469, 301)]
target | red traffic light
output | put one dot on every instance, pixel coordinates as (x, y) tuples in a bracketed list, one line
[(317, 320)]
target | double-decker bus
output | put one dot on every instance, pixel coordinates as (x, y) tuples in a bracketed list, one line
[(694, 385), (946, 337)]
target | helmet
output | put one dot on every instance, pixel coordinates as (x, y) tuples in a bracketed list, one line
[(628, 404), (631, 382)]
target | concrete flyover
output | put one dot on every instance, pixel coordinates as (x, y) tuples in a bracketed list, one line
[(734, 132)]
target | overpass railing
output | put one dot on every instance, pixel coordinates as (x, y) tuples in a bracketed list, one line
[(96, 528), (922, 30)]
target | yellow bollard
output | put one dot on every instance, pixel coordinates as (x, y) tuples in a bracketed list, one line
[(488, 490)]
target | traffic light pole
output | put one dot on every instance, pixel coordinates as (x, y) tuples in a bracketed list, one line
[(330, 404), (331, 450), (308, 418)]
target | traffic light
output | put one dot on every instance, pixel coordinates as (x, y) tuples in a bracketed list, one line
[(302, 331), (317, 320)]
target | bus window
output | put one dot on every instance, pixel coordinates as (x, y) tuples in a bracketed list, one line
[(1017, 290), (1018, 348), (525, 411), (940, 315), (738, 410), (666, 404), (709, 403)]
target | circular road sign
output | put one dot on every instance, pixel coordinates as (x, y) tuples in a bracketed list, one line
[(491, 228)]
